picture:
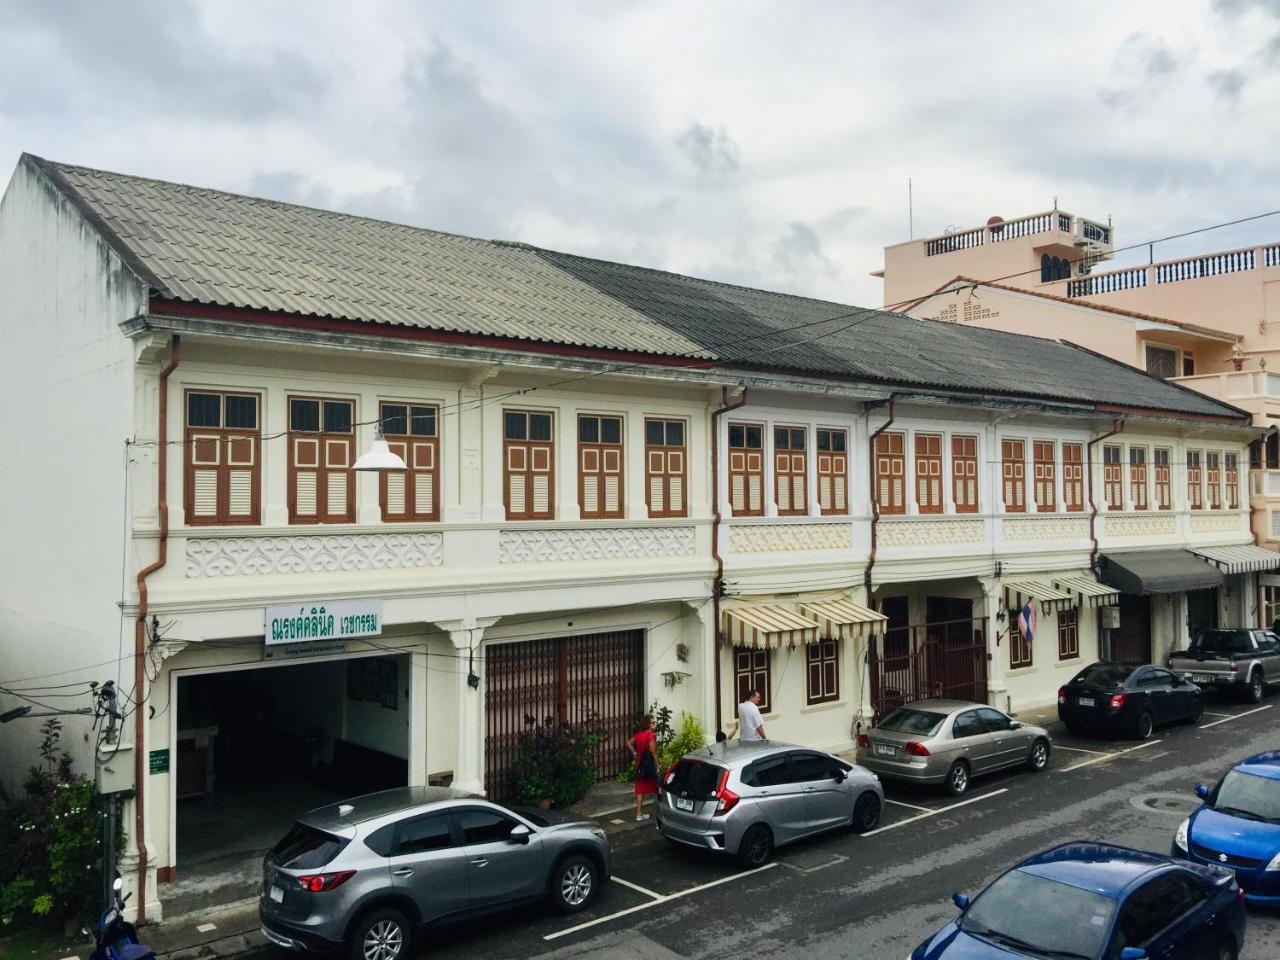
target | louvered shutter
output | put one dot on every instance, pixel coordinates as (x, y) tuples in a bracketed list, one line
[(338, 499), (395, 485), (306, 466)]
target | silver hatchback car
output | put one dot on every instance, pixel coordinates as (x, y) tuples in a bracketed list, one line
[(364, 875), (949, 742), (745, 799)]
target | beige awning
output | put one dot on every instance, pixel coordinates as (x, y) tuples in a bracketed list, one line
[(1050, 597), (843, 618), (1090, 591), (763, 625), (1245, 558)]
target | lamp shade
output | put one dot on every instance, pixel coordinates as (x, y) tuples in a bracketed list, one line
[(379, 457)]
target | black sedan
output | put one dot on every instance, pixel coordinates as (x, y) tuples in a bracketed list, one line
[(1127, 698)]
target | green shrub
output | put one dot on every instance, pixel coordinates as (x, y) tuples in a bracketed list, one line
[(672, 743), (556, 762)]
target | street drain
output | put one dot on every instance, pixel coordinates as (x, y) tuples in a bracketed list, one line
[(1170, 804)]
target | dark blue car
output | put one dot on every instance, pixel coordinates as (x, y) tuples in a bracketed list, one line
[(1095, 901), (1238, 826)]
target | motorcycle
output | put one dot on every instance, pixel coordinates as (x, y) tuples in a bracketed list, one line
[(115, 937)]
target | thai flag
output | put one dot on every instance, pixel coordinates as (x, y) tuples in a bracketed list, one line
[(1027, 622)]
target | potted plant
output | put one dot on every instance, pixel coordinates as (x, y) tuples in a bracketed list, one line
[(555, 762)]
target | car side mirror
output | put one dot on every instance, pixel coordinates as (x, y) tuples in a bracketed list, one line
[(1202, 791), (1132, 953), (839, 776), (519, 834), (960, 900), (1015, 724)]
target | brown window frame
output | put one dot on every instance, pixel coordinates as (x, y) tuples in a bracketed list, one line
[(1195, 488), (790, 463), (1138, 478), (964, 472), (756, 673), (1068, 633), (1231, 475), (421, 454), (1162, 477), (928, 471), (1213, 479), (1021, 653), (1013, 474), (746, 467), (326, 440), (822, 663), (519, 464), (1044, 475), (227, 445), (1112, 477), (891, 462), (600, 460), (666, 466), (833, 471), (1073, 477)]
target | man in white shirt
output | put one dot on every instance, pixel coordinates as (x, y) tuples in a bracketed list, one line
[(750, 723)]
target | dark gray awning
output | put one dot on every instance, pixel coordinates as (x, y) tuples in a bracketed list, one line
[(1158, 571)]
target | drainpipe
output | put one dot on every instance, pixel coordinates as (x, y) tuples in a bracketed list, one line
[(717, 585), (140, 627), (1093, 505), (875, 495)]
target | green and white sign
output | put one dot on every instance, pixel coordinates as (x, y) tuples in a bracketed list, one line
[(323, 620)]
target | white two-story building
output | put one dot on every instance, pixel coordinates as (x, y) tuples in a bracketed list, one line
[(622, 486)]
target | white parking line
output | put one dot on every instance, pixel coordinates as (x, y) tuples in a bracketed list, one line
[(1209, 714), (1059, 746), (934, 813), (653, 903), (1234, 716), (636, 887), (1107, 756), (911, 806)]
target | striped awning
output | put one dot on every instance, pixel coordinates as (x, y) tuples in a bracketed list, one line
[(1245, 558), (1050, 597), (1090, 591), (843, 618), (767, 626)]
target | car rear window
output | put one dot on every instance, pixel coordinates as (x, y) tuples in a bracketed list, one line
[(305, 848), (695, 778), (1222, 641), (1105, 673), (908, 720)]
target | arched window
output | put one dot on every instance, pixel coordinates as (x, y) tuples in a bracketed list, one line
[(1046, 268), (1064, 269)]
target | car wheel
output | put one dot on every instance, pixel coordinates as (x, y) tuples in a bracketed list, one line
[(1038, 758), (755, 847), (1142, 730), (1257, 687), (573, 884), (382, 935), (1197, 711), (866, 813), (1226, 951), (958, 778)]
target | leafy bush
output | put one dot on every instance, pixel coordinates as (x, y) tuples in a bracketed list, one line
[(556, 761), (672, 744)]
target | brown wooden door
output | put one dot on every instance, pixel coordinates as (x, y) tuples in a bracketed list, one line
[(1131, 643)]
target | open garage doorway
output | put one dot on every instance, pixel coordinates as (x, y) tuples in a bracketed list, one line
[(254, 748)]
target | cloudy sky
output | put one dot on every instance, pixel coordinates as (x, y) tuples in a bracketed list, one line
[(760, 143)]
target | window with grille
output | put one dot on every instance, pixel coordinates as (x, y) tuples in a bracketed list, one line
[(929, 472), (1013, 470), (665, 468), (891, 469), (1231, 472), (833, 471), (321, 453), (1073, 476), (1138, 477), (1213, 479), (412, 431), (746, 469), (1044, 475), (600, 486), (790, 474), (1162, 361), (1112, 482), (823, 659), (1068, 634), (752, 670), (528, 449), (1194, 478), (223, 452), (964, 473), (1163, 484)]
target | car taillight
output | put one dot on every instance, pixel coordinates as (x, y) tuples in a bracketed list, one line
[(913, 749), (321, 882), (864, 742), (671, 775), (726, 797), (1234, 668), (1117, 701), (1062, 694)]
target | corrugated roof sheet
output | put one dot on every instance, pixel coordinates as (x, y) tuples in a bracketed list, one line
[(207, 246)]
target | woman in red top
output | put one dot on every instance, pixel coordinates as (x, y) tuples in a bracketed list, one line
[(645, 747)]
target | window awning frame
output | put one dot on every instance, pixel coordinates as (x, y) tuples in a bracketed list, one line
[(1050, 597), (1241, 558), (1088, 590), (843, 618), (767, 626)]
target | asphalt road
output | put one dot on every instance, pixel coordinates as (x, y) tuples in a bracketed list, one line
[(879, 895)]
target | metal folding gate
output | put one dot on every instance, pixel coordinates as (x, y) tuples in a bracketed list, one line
[(598, 677), (947, 659)]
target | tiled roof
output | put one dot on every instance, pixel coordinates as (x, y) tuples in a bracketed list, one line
[(210, 247)]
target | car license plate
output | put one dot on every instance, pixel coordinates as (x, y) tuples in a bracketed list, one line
[(884, 750), (1085, 701), (1201, 677), (277, 894), (683, 803)]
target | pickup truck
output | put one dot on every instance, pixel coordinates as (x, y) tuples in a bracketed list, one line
[(1246, 661)]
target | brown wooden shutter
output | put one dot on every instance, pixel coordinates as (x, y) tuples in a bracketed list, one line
[(1164, 486), (412, 433), (746, 469), (1112, 480), (529, 476), (665, 465), (1138, 477), (1194, 488), (1073, 476), (600, 465), (1231, 467), (751, 671), (833, 472), (964, 473), (321, 481), (1213, 479), (222, 483), (791, 474), (929, 472), (891, 469), (1013, 472), (823, 662), (1044, 475)]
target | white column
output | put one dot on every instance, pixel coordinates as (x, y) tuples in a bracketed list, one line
[(997, 640), (418, 717), (468, 762)]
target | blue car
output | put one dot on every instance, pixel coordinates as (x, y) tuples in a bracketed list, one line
[(1238, 826), (1095, 901)]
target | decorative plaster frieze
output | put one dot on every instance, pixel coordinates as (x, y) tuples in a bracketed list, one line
[(321, 553), (1214, 522), (789, 537), (930, 533), (1141, 525), (608, 543), (1044, 528)]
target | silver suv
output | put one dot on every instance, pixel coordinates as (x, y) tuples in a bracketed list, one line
[(366, 874), (747, 798)]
